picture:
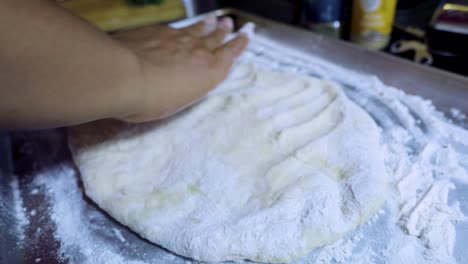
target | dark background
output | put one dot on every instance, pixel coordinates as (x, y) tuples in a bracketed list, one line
[(410, 15)]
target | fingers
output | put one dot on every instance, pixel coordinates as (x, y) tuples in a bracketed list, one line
[(226, 54), (201, 28), (216, 38)]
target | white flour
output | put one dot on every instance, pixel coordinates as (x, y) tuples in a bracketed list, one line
[(20, 211), (426, 156)]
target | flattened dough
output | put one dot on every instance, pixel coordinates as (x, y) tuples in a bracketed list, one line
[(268, 167)]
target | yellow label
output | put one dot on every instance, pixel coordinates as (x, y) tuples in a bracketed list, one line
[(373, 15)]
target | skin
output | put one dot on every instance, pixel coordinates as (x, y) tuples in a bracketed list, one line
[(57, 70)]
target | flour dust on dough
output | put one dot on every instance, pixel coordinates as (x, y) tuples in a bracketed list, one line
[(267, 167)]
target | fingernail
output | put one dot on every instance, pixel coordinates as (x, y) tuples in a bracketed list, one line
[(248, 29), (226, 24), (210, 20)]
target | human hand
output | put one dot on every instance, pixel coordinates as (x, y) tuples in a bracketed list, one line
[(178, 66)]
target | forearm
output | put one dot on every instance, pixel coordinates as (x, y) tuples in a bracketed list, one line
[(57, 70)]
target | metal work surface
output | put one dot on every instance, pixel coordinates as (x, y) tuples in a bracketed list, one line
[(36, 152)]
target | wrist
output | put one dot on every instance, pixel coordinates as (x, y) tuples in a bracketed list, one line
[(128, 97)]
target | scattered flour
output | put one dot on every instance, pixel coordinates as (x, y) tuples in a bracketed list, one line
[(426, 155), (118, 234), (20, 210), (74, 227), (34, 191), (457, 114)]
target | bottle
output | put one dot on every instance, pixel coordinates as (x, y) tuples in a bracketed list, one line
[(372, 21), (324, 16)]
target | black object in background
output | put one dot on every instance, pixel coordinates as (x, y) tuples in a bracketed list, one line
[(146, 2), (323, 10), (415, 13), (324, 16), (447, 37), (286, 11)]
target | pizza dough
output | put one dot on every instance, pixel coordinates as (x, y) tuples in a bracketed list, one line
[(268, 167)]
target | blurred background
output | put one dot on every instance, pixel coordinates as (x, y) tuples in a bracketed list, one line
[(429, 32)]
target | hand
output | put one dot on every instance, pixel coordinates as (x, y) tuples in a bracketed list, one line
[(178, 66)]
